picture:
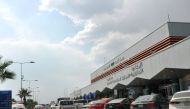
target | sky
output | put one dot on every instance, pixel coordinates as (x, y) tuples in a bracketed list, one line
[(70, 39)]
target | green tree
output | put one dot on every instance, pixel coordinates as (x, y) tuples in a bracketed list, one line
[(4, 73), (23, 93), (30, 103)]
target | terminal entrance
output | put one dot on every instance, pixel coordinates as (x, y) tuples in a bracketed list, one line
[(169, 90), (164, 87), (166, 83)]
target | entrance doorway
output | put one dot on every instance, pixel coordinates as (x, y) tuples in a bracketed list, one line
[(169, 89)]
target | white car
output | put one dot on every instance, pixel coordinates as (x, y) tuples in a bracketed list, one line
[(80, 103), (86, 106), (53, 106), (39, 106), (180, 100)]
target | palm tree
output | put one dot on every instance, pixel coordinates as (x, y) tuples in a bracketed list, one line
[(23, 93), (30, 103), (4, 73)]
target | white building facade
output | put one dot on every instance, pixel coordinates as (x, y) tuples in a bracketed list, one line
[(159, 63)]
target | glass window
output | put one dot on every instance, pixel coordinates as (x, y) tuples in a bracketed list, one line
[(161, 99), (66, 102), (126, 101), (80, 101)]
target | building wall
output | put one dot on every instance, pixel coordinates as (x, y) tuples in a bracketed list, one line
[(168, 29), (179, 29), (149, 40), (176, 56)]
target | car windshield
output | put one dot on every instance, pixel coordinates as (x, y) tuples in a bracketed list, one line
[(99, 101), (66, 102), (81, 101), (117, 100), (145, 98)]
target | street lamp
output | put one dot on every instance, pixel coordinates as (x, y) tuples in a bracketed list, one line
[(36, 96), (34, 92), (22, 76), (29, 81)]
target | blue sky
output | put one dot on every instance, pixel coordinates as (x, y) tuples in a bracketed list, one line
[(69, 39), (43, 25)]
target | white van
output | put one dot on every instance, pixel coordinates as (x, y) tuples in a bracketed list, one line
[(18, 106), (180, 100)]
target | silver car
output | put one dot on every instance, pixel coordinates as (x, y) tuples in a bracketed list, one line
[(180, 100)]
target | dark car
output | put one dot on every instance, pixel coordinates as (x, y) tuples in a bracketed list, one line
[(121, 103), (153, 101)]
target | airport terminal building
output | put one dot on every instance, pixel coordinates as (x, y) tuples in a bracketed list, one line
[(158, 63)]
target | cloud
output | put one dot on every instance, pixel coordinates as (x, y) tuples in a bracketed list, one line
[(81, 36), (20, 28), (78, 9), (109, 22)]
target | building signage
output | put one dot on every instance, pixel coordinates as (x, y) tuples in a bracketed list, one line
[(115, 62), (135, 70), (5, 100)]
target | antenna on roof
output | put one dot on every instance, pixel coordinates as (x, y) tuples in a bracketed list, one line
[(168, 17), (104, 60)]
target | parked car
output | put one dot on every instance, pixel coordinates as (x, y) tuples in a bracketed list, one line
[(53, 106), (180, 100), (153, 101), (80, 102), (121, 103), (39, 106), (18, 106), (86, 106), (99, 104)]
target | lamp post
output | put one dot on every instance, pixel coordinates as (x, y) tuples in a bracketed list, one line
[(29, 81), (34, 92), (36, 96), (22, 77)]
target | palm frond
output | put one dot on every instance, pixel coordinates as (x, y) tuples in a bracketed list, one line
[(4, 75), (5, 64), (24, 92)]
